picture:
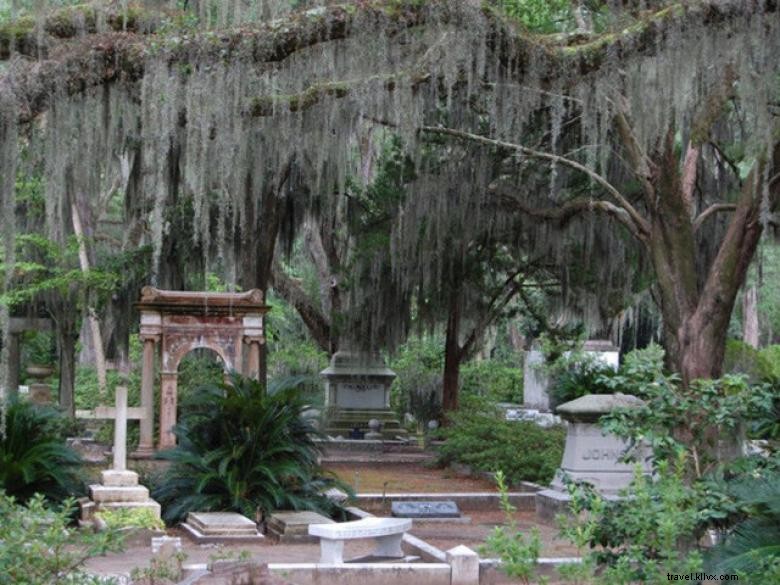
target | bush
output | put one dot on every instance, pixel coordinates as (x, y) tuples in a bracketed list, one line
[(33, 455), (245, 450), (480, 437), (418, 365), (495, 381), (576, 374), (40, 547)]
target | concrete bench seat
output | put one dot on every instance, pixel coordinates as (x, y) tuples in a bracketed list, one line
[(387, 532)]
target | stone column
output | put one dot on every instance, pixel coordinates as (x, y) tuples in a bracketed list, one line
[(168, 409), (253, 359), (120, 429), (146, 439)]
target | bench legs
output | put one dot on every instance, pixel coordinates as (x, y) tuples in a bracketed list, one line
[(331, 551), (389, 546)]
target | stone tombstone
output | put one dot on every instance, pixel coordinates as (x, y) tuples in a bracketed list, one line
[(590, 454), (445, 509), (357, 390), (536, 382), (356, 380)]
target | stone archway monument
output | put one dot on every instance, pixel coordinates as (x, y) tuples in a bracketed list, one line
[(181, 321)]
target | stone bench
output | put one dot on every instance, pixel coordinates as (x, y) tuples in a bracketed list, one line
[(387, 532)]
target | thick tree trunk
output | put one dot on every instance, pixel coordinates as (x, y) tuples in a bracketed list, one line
[(696, 316)]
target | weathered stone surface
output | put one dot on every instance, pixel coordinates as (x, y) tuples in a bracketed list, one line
[(118, 478), (592, 406), (239, 573), (221, 523), (447, 509), (217, 527), (292, 526), (105, 494), (386, 532), (465, 565)]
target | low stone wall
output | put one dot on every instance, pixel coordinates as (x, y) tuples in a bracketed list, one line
[(363, 573), (466, 501)]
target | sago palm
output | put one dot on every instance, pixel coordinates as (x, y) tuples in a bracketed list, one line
[(242, 449), (34, 457)]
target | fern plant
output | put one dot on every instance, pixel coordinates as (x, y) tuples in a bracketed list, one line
[(34, 457), (243, 449), (753, 546)]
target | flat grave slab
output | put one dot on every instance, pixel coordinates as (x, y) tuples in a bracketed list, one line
[(215, 527), (443, 509), (293, 526)]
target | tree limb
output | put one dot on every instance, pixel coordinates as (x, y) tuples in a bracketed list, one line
[(711, 210), (641, 227)]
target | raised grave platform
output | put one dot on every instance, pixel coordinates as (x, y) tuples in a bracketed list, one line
[(292, 526), (221, 527)]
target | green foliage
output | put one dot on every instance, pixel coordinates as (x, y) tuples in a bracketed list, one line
[(424, 406), (752, 548), (44, 266), (38, 347), (131, 518), (543, 16), (642, 537), (741, 358), (242, 449), (33, 455), (479, 436), (677, 419), (494, 381), (418, 365), (518, 553), (163, 567), (574, 373), (41, 547)]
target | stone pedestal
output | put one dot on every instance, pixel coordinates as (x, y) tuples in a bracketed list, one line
[(357, 389), (119, 489), (590, 455), (536, 382)]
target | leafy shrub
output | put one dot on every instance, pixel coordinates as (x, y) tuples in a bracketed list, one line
[(495, 381), (418, 366), (131, 517), (479, 436), (41, 547), (301, 359), (243, 449), (769, 358), (575, 373), (753, 545), (33, 455), (741, 358)]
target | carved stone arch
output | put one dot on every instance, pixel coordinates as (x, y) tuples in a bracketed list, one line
[(227, 363), (178, 322)]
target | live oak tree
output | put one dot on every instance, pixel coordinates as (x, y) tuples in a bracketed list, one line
[(254, 125)]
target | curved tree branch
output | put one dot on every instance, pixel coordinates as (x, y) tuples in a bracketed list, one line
[(711, 210), (640, 227)]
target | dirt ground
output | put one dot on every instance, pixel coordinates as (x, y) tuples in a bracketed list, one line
[(405, 478), (372, 478)]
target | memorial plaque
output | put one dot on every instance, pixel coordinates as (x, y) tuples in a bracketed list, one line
[(445, 509)]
